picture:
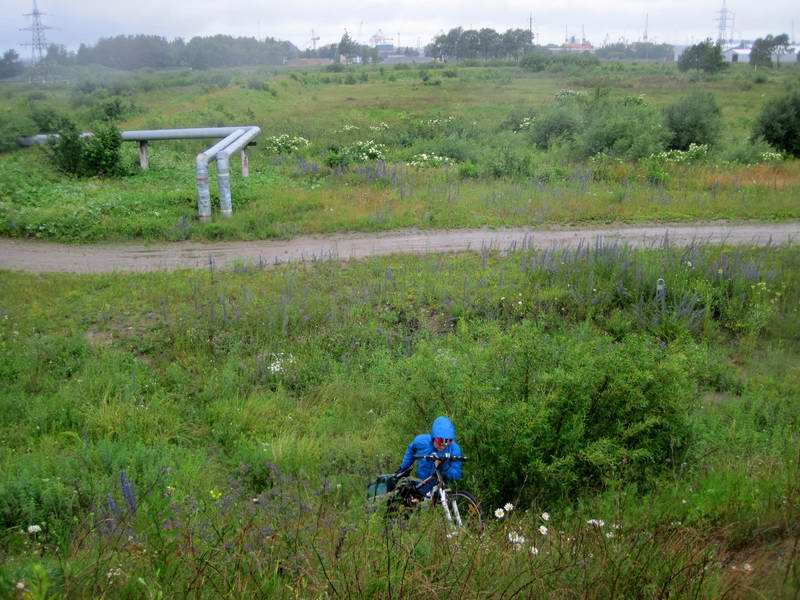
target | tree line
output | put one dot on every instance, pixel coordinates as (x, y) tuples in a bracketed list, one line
[(486, 44), (128, 52)]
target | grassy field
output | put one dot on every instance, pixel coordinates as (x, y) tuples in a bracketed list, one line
[(200, 433), (473, 116)]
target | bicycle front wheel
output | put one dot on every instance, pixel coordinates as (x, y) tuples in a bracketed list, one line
[(465, 511)]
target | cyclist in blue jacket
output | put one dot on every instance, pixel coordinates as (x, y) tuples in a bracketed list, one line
[(440, 441)]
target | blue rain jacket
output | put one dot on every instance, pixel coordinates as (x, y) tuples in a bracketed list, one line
[(422, 445)]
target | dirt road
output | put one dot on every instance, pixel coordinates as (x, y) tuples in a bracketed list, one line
[(41, 257)]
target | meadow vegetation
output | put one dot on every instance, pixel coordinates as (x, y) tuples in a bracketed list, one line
[(376, 148), (212, 434)]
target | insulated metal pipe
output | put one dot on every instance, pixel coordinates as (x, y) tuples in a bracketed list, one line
[(44, 138), (202, 160), (223, 169), (194, 133)]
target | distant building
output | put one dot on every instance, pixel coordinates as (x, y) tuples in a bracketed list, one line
[(384, 49), (736, 55), (790, 56)]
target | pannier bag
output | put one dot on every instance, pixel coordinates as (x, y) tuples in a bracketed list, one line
[(382, 485)]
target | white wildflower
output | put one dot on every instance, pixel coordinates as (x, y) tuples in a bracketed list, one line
[(20, 586), (747, 567), (610, 534), (596, 522), (534, 550), (508, 507), (499, 513), (516, 538), (543, 530), (34, 529), (545, 516)]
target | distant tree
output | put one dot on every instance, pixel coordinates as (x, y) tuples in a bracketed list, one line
[(57, 54), (150, 51), (705, 56), (11, 65), (489, 43), (636, 51), (347, 46), (516, 43), (469, 45), (764, 49)]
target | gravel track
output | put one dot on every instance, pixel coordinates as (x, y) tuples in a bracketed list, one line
[(43, 257)]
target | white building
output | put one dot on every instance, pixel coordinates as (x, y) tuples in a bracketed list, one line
[(789, 57), (736, 55)]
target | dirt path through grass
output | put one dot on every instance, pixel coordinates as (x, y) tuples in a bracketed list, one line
[(42, 257)]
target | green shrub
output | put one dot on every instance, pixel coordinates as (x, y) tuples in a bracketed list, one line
[(468, 170), (551, 415), (102, 152), (694, 119), (66, 151), (746, 152), (12, 127), (559, 122), (46, 119), (99, 154), (779, 123), (627, 130)]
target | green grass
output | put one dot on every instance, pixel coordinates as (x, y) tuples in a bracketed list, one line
[(209, 389), (516, 183)]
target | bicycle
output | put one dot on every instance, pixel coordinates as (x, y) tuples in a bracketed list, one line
[(461, 509)]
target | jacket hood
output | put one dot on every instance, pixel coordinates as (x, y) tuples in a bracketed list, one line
[(443, 428)]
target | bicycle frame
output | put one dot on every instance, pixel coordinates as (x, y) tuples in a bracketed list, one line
[(441, 489)]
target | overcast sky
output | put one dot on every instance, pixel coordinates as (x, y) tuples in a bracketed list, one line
[(414, 21)]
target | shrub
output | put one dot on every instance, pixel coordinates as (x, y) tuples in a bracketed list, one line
[(66, 151), (694, 119), (99, 154), (335, 68), (536, 61), (559, 122), (628, 130), (747, 152), (102, 152), (11, 128), (779, 123), (553, 414)]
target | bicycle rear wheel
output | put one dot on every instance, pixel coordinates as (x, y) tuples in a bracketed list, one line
[(465, 511)]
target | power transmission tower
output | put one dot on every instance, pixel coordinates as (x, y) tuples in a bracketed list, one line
[(38, 45), (314, 39), (724, 16), (646, 26)]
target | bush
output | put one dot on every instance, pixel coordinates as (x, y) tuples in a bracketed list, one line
[(66, 151), (13, 127), (559, 122), (99, 154), (779, 123), (551, 415), (694, 119), (628, 130), (102, 152)]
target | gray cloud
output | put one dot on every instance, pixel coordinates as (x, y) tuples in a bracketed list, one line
[(678, 21)]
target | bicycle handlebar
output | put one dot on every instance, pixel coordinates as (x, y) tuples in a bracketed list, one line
[(434, 457)]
